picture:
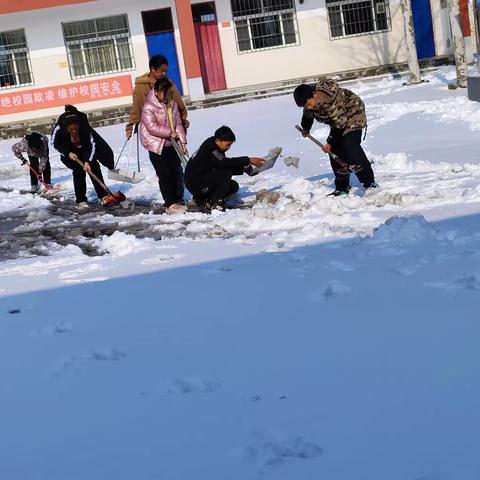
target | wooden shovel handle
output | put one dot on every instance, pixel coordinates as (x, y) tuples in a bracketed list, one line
[(95, 177)]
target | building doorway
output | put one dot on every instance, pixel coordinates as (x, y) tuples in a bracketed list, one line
[(159, 31), (208, 45), (422, 24)]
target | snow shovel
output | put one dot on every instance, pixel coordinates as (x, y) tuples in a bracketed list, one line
[(181, 155), (112, 198), (49, 188), (123, 174), (346, 169), (269, 163)]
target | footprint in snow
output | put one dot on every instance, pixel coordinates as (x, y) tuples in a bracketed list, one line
[(99, 354), (403, 271), (267, 451), (158, 259), (106, 354), (55, 329), (331, 290), (466, 282), (191, 385), (342, 266), (216, 270)]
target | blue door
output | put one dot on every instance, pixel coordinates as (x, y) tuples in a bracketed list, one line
[(163, 43), (422, 23)]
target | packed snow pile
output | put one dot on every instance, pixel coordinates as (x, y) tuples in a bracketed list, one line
[(120, 244), (404, 231)]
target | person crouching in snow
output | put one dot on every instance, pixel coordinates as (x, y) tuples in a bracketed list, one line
[(160, 126), (35, 145), (76, 141), (208, 175), (344, 112)]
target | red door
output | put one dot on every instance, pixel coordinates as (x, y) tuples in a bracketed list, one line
[(210, 54)]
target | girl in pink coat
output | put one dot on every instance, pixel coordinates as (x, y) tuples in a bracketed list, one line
[(160, 126)]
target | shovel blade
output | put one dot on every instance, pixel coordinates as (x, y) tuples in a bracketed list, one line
[(119, 197), (123, 175)]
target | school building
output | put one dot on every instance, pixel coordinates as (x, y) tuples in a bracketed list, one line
[(88, 52)]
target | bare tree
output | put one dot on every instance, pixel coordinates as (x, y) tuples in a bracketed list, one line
[(458, 43), (410, 42)]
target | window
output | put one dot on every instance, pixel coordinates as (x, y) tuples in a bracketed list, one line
[(15, 68), (354, 17), (98, 46), (204, 12), (264, 24), (155, 21)]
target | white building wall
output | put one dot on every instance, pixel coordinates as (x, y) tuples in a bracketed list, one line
[(48, 54), (317, 53)]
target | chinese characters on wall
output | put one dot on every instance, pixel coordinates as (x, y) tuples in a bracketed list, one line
[(81, 92)]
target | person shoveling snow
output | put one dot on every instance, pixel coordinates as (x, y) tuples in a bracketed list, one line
[(208, 175), (35, 145), (81, 149), (344, 112)]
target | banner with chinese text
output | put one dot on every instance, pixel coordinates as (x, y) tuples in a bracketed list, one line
[(72, 93)]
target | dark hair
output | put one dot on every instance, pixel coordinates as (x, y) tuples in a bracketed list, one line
[(70, 109), (157, 61), (225, 134), (34, 140), (302, 93), (70, 120), (162, 85)]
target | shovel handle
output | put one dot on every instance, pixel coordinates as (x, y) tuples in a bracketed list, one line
[(121, 153), (181, 155), (39, 177), (92, 175), (320, 144)]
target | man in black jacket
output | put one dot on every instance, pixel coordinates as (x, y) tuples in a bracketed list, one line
[(208, 175), (75, 139)]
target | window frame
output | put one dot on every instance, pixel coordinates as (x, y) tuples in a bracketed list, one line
[(109, 39), (331, 4), (14, 52), (266, 13)]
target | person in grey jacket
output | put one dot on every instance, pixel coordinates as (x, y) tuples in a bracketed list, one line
[(35, 145)]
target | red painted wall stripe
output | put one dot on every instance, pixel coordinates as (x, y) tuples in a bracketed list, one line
[(187, 35), (464, 18), (25, 5)]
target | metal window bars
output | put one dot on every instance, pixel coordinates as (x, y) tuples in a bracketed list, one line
[(15, 66), (98, 46), (264, 24), (349, 18)]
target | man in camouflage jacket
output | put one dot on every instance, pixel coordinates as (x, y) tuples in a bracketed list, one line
[(344, 112)]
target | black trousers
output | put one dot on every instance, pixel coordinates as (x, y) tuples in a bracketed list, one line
[(169, 171), (103, 152), (46, 175), (348, 148), (79, 181), (213, 186)]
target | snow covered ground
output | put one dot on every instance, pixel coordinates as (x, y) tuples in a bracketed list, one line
[(319, 337)]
